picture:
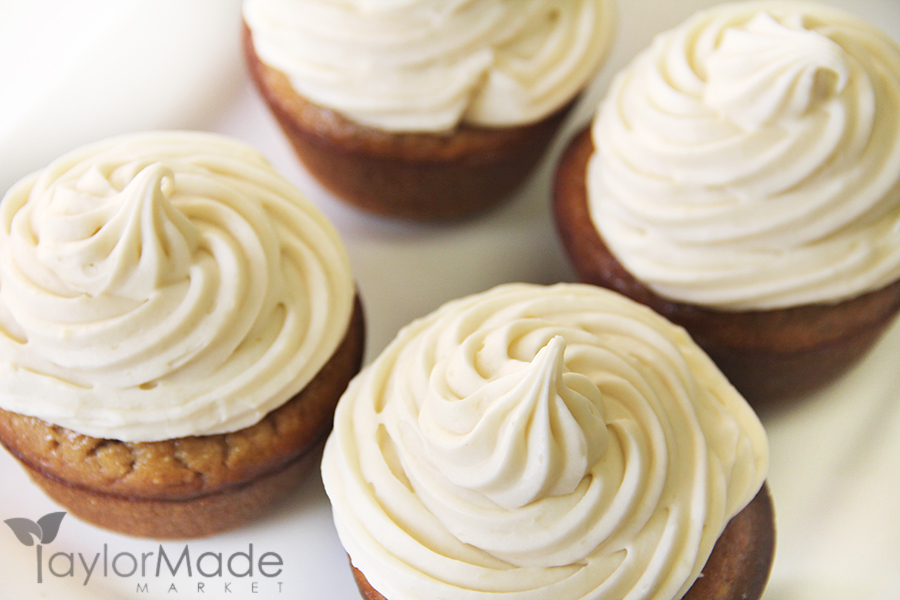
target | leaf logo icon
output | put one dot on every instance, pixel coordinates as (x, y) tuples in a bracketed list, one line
[(44, 530)]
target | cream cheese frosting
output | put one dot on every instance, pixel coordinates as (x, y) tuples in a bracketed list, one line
[(551, 443), (750, 159), (164, 284), (428, 65)]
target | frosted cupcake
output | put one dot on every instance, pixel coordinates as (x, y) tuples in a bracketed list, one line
[(423, 109), (555, 443), (176, 325), (746, 184)]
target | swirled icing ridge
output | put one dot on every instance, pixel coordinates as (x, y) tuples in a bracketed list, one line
[(556, 443), (164, 284), (750, 159), (427, 65)]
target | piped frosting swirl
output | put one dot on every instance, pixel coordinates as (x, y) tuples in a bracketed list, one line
[(750, 159), (428, 65), (545, 442), (165, 284)]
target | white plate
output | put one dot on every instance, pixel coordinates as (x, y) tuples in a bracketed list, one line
[(113, 66)]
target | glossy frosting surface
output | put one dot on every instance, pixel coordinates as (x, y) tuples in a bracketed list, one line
[(427, 65), (549, 442), (164, 284), (750, 158)]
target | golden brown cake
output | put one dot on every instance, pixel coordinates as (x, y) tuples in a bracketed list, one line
[(177, 324), (555, 442), (437, 167), (191, 486), (742, 178)]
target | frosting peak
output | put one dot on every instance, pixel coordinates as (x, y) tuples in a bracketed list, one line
[(532, 433), (768, 71), (129, 242)]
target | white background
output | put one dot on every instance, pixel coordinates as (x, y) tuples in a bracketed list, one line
[(74, 72)]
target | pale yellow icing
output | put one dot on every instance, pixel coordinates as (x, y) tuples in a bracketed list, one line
[(428, 65), (164, 284), (750, 159), (551, 443)]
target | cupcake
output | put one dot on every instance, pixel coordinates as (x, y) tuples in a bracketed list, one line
[(557, 442), (424, 110), (742, 178), (177, 323)]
